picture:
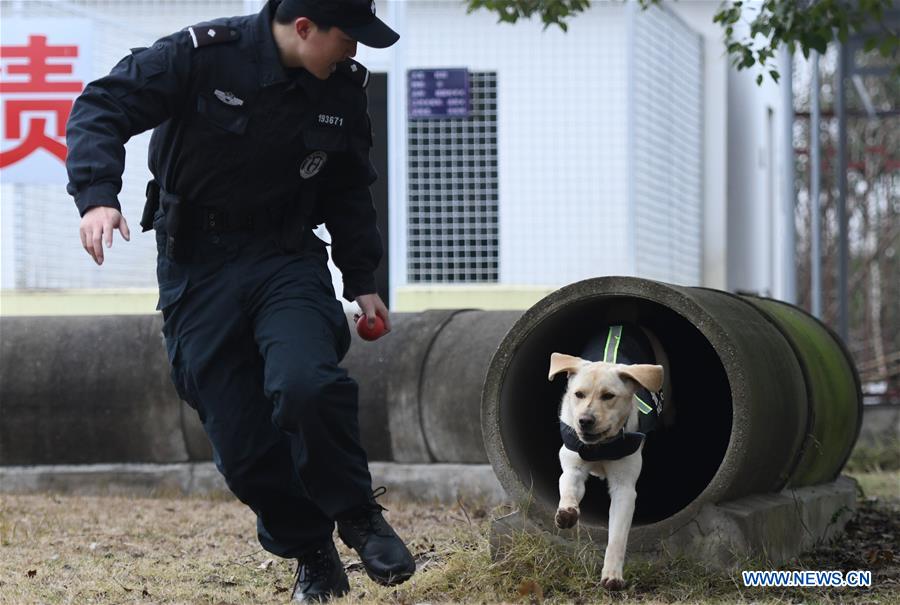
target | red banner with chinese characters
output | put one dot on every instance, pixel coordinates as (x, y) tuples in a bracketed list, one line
[(44, 66)]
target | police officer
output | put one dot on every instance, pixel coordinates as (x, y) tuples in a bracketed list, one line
[(261, 133)]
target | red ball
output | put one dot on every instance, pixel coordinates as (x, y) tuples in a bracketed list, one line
[(367, 333)]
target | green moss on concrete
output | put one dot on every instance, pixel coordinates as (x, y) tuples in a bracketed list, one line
[(831, 386)]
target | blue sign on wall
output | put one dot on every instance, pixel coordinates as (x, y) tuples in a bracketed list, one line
[(438, 93)]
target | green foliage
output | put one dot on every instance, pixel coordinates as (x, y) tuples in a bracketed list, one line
[(807, 25), (552, 12)]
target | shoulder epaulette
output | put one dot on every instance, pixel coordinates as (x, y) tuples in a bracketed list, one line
[(207, 35), (355, 71)]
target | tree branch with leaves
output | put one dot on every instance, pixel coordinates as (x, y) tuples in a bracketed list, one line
[(809, 25)]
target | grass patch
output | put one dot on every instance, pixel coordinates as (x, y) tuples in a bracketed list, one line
[(534, 570), (879, 455), (192, 550), (878, 484)]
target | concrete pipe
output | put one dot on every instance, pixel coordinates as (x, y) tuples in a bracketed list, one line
[(96, 389), (763, 397), (834, 392), (78, 390), (434, 384)]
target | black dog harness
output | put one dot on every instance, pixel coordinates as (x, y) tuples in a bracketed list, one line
[(618, 349)]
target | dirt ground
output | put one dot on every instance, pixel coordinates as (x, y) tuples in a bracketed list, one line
[(60, 549), (81, 550)]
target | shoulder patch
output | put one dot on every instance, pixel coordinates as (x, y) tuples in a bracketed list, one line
[(355, 71), (207, 35)]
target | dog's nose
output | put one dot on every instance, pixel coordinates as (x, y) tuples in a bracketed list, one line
[(586, 422)]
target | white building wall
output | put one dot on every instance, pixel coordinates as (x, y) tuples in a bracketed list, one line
[(666, 147), (563, 137), (561, 133), (755, 155), (698, 15), (7, 238)]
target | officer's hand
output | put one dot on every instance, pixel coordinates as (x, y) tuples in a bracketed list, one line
[(97, 226), (372, 305)]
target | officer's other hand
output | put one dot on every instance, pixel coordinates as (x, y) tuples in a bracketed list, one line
[(372, 305), (97, 226)]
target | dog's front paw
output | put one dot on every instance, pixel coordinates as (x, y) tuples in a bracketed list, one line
[(566, 518), (613, 583)]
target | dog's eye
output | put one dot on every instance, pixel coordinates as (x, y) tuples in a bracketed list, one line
[(607, 396), (579, 394)]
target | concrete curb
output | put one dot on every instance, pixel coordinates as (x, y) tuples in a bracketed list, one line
[(444, 483), (776, 527)]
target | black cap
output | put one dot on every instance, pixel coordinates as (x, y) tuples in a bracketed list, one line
[(356, 18)]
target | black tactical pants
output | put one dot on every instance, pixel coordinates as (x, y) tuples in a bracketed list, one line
[(254, 336)]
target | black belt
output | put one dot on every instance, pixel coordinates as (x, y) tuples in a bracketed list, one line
[(212, 219)]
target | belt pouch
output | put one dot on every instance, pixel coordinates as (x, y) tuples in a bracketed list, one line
[(173, 209), (151, 206)]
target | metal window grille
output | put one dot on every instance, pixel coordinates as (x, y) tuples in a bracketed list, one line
[(453, 194)]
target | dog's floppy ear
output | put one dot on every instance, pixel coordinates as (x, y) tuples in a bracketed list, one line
[(563, 363), (648, 376)]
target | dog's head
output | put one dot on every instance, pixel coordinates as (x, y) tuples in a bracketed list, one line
[(598, 398)]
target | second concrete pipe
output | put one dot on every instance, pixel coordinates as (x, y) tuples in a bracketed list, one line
[(95, 389)]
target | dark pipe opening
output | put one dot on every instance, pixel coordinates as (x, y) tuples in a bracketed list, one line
[(679, 460)]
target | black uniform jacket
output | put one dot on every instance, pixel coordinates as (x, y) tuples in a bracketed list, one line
[(235, 129)]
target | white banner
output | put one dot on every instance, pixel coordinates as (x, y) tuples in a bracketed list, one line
[(44, 66)]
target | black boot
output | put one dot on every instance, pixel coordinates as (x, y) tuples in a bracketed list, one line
[(383, 553), (320, 576)]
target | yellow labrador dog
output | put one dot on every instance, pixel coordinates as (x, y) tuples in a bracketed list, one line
[(599, 422)]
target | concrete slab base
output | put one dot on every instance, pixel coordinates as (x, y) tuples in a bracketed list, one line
[(775, 527), (444, 483)]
